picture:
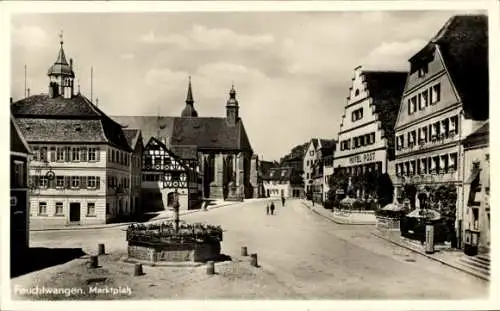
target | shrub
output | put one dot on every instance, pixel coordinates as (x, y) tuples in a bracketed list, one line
[(165, 232)]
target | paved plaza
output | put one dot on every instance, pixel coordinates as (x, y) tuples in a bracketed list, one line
[(301, 254)]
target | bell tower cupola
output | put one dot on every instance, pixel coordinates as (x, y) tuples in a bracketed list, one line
[(61, 75), (189, 110), (232, 107)]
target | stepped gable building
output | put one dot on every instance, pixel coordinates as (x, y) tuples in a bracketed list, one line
[(80, 171), (366, 138), (445, 99), (19, 192), (219, 145)]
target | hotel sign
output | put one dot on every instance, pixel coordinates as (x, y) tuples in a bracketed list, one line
[(360, 158)]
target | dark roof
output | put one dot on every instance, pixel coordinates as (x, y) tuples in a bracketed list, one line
[(150, 126), (132, 136), (481, 136), (296, 158), (17, 141), (210, 133), (327, 143), (43, 106), (279, 173), (386, 90), (185, 152), (61, 66), (463, 42), (315, 142), (42, 118)]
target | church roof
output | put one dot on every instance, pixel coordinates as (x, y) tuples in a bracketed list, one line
[(189, 111), (44, 119), (204, 133), (210, 133), (463, 42), (17, 141)]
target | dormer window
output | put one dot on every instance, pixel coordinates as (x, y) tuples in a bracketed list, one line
[(78, 127), (423, 70)]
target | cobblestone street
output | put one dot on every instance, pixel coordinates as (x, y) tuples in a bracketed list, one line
[(302, 255)]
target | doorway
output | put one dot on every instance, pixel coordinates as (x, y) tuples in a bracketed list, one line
[(74, 212)]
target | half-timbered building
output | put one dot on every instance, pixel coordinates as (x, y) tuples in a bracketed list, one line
[(219, 146), (166, 178)]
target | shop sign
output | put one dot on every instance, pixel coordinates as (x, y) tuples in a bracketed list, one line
[(360, 158)]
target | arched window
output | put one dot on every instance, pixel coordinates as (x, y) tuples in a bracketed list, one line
[(356, 93)]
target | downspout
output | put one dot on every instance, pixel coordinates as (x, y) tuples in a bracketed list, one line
[(462, 181)]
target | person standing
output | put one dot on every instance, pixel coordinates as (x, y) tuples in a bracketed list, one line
[(267, 209), (272, 208), (282, 201)]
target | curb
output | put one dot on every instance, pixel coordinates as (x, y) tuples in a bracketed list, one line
[(337, 221), (108, 226), (430, 257)]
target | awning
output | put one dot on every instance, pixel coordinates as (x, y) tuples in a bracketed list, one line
[(473, 175)]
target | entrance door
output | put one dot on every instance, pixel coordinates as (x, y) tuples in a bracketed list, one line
[(74, 212)]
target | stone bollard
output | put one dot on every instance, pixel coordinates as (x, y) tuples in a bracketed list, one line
[(210, 268), (138, 269), (253, 260), (94, 261), (100, 249), (244, 251)]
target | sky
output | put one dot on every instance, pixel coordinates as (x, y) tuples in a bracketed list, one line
[(291, 70)]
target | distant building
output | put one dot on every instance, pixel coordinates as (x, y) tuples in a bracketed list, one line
[(476, 196), (310, 159), (366, 138), (280, 182), (134, 139), (218, 145), (81, 167), (19, 191), (446, 99), (326, 155)]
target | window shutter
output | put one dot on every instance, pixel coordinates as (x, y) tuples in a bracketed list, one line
[(66, 154), (37, 181), (98, 183), (83, 154), (97, 154), (67, 182), (83, 182), (52, 154), (52, 183)]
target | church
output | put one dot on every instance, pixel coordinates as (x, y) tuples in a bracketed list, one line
[(217, 148)]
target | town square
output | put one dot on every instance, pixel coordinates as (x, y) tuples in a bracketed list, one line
[(323, 155)]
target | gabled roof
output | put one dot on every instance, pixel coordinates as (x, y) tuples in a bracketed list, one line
[(481, 136), (279, 173), (328, 144), (185, 152), (314, 141), (42, 118), (17, 141), (154, 144), (463, 42), (386, 90), (132, 136), (210, 133)]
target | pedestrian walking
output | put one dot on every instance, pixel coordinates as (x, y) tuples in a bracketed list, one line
[(267, 209), (282, 201), (272, 208)]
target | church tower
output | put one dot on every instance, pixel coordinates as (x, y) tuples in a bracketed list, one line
[(61, 75), (232, 107), (189, 110)]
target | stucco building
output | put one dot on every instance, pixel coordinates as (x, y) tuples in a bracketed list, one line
[(446, 98), (281, 182), (80, 172), (366, 137), (322, 169), (476, 194), (219, 146)]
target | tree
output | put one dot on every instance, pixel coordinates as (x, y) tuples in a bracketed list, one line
[(338, 180), (385, 189), (410, 191)]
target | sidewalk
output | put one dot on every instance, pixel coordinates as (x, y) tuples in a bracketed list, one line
[(162, 215), (350, 219), (447, 256)]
